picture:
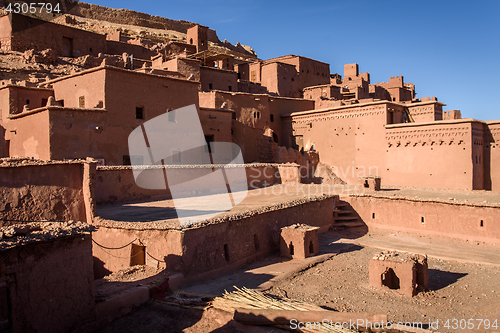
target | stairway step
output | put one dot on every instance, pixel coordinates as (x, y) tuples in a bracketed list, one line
[(344, 212), (341, 204), (345, 218), (349, 224)]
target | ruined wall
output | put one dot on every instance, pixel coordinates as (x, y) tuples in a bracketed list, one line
[(218, 79), (457, 220), (138, 51), (437, 155), (214, 246), (35, 191), (50, 285), (30, 33)]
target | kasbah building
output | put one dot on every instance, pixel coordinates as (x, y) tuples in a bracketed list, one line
[(65, 158)]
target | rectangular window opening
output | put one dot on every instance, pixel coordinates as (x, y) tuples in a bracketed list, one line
[(272, 118), (373, 215), (139, 112), (482, 223), (81, 102), (422, 220), (126, 160)]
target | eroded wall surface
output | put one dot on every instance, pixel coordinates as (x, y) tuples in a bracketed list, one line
[(457, 220), (37, 191), (51, 285)]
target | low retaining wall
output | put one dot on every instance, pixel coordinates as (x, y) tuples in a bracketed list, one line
[(214, 244), (33, 190), (451, 219), (117, 183)]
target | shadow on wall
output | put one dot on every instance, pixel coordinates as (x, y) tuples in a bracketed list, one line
[(439, 279), (133, 213), (99, 270)]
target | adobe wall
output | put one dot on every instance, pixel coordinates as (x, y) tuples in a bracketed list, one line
[(82, 133), (492, 156), (14, 98), (35, 191), (216, 122), (457, 220), (232, 241), (89, 84), (29, 135), (120, 91), (50, 284), (117, 183), (437, 155), (218, 79), (426, 111), (255, 113), (280, 78), (138, 51), (350, 139), (186, 67), (30, 33)]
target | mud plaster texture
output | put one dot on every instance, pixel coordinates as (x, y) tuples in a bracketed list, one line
[(50, 281)]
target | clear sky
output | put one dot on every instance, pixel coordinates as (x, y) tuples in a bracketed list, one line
[(448, 49)]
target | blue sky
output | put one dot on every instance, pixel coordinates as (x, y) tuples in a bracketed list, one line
[(448, 49)]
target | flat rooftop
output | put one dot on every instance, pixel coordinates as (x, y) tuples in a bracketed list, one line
[(161, 214)]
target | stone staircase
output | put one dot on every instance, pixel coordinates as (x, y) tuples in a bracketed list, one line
[(344, 216)]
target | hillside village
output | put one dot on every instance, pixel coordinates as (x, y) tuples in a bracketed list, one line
[(73, 87)]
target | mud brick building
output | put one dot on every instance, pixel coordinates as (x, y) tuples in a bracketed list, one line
[(358, 128)]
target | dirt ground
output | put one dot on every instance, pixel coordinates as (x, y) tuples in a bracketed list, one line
[(457, 290)]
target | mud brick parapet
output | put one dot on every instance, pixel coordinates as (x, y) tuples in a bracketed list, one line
[(299, 241), (403, 272)]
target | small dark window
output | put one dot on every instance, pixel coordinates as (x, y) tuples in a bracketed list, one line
[(482, 223), (230, 88), (291, 249), (226, 253), (90, 49), (233, 115), (27, 101), (272, 118), (61, 102), (394, 99), (422, 220), (311, 248), (139, 112), (210, 86), (256, 242), (190, 41), (81, 101), (373, 215), (126, 160)]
